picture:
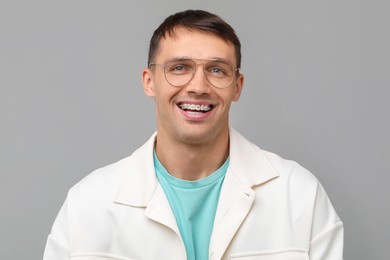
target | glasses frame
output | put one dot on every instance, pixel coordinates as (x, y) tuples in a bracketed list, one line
[(205, 61)]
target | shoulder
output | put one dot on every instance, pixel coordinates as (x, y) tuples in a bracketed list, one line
[(100, 184), (303, 192), (255, 165), (113, 182), (305, 195), (300, 185), (290, 170)]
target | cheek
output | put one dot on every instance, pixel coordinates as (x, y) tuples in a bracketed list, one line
[(228, 98), (164, 94)]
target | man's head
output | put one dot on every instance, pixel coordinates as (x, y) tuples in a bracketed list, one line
[(193, 76), (194, 20)]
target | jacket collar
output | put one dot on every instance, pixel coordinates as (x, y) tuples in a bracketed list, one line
[(247, 162), (139, 181)]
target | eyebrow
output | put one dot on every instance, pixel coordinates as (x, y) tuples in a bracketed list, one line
[(190, 58)]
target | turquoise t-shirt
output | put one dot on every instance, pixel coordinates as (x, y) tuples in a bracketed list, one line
[(194, 204)]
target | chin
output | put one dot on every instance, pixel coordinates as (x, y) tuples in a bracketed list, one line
[(198, 136)]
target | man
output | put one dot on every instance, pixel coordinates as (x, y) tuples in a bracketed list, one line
[(197, 189)]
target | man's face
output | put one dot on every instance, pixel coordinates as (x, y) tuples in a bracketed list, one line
[(174, 118)]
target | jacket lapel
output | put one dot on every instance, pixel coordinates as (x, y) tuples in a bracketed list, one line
[(139, 187), (159, 210), (248, 168), (235, 202)]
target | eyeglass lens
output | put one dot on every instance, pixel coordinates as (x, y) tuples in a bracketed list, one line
[(179, 72)]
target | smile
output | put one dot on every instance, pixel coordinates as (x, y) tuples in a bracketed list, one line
[(195, 107)]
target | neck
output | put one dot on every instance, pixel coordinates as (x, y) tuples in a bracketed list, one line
[(190, 161)]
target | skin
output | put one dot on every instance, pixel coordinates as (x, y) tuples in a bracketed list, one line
[(191, 146)]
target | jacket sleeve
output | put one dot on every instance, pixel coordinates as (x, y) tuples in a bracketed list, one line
[(327, 237), (57, 245)]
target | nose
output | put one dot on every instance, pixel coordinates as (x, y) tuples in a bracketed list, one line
[(199, 84)]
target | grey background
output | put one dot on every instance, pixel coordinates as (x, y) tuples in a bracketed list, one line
[(71, 100)]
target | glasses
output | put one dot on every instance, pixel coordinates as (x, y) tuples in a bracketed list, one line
[(178, 72)]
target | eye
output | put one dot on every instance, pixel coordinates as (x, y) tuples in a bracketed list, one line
[(179, 67), (217, 70)]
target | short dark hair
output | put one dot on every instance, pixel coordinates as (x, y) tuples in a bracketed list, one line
[(198, 20)]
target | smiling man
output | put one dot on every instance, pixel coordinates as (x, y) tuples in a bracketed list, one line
[(197, 189)]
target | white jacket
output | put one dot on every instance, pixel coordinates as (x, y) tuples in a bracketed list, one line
[(269, 209)]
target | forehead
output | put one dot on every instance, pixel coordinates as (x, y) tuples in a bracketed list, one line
[(183, 42)]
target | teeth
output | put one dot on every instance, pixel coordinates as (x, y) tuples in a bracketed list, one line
[(195, 107)]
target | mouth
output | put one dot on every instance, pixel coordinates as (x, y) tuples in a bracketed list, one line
[(195, 108)]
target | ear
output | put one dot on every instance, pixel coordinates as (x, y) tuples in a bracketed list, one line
[(238, 87), (148, 82)]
